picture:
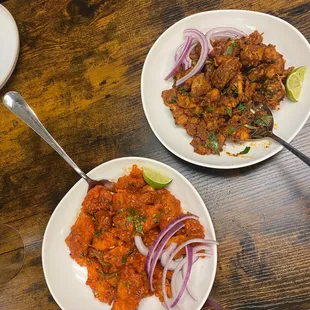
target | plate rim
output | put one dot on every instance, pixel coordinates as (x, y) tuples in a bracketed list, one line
[(17, 44), (199, 163), (120, 159)]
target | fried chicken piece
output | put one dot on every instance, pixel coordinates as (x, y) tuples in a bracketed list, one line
[(254, 38), (225, 72), (200, 85), (131, 288), (252, 55), (169, 96), (102, 289), (80, 237), (180, 117), (98, 198)]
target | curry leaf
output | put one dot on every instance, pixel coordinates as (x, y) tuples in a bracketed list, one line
[(245, 151), (263, 120)]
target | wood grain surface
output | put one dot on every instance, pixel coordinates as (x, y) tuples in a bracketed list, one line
[(79, 68)]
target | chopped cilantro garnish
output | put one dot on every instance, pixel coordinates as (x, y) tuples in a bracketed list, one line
[(156, 217), (270, 93), (127, 284), (131, 214), (229, 111), (213, 143), (97, 233), (230, 48), (139, 228), (230, 130), (210, 108), (132, 217), (235, 92), (241, 106)]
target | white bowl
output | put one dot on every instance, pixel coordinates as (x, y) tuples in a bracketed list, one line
[(66, 279), (289, 119), (9, 45)]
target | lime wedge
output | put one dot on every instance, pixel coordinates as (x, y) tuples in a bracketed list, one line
[(155, 178), (294, 83)]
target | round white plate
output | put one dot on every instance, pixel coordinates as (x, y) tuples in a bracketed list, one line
[(289, 119), (66, 279), (9, 45)]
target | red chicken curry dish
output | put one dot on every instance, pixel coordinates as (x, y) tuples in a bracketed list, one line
[(214, 103), (134, 240)]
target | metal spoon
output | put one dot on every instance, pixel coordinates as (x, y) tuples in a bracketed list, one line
[(262, 126), (16, 104)]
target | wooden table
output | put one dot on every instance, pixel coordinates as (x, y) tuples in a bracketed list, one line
[(79, 68)]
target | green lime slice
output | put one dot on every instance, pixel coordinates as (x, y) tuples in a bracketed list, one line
[(155, 178), (294, 83)]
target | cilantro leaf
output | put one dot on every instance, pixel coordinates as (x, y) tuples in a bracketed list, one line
[(230, 130), (213, 143), (230, 48), (241, 106)]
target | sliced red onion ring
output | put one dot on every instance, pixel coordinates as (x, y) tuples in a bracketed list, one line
[(178, 268), (196, 256), (159, 250), (196, 34), (187, 61), (186, 47), (165, 256), (180, 247), (189, 261), (161, 235), (142, 248), (226, 32)]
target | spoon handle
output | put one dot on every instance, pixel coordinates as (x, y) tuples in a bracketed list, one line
[(299, 154), (16, 104)]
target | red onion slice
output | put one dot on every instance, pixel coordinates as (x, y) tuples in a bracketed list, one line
[(196, 256), (162, 234), (159, 250), (142, 248), (196, 34), (166, 254), (224, 32), (187, 61), (186, 47), (179, 267), (180, 247), (189, 256)]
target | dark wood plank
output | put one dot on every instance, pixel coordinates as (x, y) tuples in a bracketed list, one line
[(79, 68)]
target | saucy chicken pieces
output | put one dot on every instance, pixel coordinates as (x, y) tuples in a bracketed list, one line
[(102, 238), (215, 104)]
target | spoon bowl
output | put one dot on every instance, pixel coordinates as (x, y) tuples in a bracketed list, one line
[(261, 126)]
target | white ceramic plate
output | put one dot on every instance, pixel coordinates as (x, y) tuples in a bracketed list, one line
[(160, 60), (9, 45), (66, 279)]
